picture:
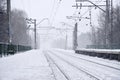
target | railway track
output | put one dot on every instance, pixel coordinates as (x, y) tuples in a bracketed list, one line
[(50, 60), (101, 72), (98, 59), (94, 77), (93, 62)]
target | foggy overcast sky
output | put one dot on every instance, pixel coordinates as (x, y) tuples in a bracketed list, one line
[(40, 9)]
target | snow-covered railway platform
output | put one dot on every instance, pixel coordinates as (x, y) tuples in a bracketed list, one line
[(30, 65), (57, 64)]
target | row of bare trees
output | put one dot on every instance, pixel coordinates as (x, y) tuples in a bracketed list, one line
[(18, 27), (19, 31), (106, 35)]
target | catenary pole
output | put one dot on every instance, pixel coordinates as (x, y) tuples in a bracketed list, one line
[(9, 22)]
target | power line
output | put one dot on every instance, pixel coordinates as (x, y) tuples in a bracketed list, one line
[(52, 9), (56, 10), (54, 14)]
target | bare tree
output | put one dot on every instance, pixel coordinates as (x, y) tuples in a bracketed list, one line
[(104, 32), (116, 26), (19, 28)]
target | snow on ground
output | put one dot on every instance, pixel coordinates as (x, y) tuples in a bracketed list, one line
[(71, 72), (55, 70), (112, 63), (30, 65), (34, 65), (99, 70), (96, 59)]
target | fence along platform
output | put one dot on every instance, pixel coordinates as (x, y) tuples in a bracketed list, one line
[(10, 49)]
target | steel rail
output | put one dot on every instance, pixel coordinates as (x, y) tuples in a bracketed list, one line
[(94, 62), (79, 68), (50, 59)]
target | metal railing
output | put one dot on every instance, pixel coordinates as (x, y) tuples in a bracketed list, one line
[(10, 49)]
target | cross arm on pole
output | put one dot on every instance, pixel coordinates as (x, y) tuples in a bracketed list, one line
[(98, 6)]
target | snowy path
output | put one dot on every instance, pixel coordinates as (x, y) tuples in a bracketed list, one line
[(30, 65)]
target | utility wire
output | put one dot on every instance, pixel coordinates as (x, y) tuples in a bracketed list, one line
[(52, 9), (56, 10), (51, 16)]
